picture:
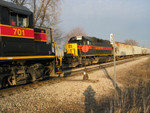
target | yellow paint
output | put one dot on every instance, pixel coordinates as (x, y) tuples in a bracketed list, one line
[(72, 48), (41, 40), (17, 36), (97, 55), (39, 33), (18, 32), (25, 57), (16, 27)]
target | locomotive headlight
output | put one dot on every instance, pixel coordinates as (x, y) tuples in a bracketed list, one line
[(78, 37)]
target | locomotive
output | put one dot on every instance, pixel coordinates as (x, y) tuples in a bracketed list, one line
[(25, 54), (99, 51)]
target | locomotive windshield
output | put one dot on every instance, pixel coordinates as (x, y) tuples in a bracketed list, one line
[(80, 42)]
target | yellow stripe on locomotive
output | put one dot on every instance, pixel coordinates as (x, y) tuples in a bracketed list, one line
[(72, 49)]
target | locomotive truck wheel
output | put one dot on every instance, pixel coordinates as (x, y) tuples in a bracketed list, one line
[(4, 82), (36, 72), (52, 69)]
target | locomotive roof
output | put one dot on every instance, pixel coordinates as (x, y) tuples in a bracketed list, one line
[(16, 8), (93, 39), (88, 38)]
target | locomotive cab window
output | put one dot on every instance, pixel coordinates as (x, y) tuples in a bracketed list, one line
[(88, 43), (18, 20), (22, 21), (13, 20)]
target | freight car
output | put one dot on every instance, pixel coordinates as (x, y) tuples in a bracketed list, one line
[(25, 55), (145, 51), (125, 50), (99, 51)]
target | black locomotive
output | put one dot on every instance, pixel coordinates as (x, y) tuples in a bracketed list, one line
[(99, 51), (25, 54)]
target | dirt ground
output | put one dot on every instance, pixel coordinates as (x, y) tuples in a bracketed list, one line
[(99, 94)]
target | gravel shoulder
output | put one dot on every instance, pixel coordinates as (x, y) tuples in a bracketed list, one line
[(71, 95)]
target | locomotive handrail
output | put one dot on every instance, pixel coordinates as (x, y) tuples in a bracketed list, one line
[(60, 54), (56, 50)]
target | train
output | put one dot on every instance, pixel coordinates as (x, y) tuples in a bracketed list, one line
[(26, 55), (99, 51)]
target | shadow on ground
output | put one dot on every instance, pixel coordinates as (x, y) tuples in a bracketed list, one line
[(133, 100)]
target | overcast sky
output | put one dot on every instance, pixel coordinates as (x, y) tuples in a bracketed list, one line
[(127, 19)]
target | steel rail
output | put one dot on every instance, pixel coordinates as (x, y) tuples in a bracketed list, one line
[(98, 66)]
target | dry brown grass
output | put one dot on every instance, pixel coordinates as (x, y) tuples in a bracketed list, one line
[(135, 98)]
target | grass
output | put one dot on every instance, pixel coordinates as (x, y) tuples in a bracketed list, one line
[(135, 98)]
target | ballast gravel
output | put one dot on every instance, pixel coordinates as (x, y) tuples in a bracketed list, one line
[(70, 96)]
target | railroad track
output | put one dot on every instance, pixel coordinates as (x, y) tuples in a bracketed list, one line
[(98, 66), (53, 80)]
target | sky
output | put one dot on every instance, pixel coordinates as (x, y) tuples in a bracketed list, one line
[(127, 19)]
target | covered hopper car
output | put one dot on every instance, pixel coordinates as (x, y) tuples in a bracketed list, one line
[(124, 50)]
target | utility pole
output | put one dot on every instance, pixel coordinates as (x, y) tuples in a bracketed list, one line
[(112, 41)]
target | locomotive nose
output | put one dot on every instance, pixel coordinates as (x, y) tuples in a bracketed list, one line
[(72, 49)]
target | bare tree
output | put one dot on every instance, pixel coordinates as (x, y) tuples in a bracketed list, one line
[(46, 12), (75, 32), (20, 2), (131, 42), (58, 34)]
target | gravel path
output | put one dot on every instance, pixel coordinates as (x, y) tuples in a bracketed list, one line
[(72, 95)]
